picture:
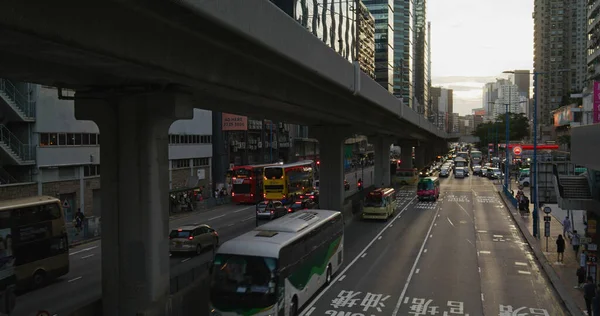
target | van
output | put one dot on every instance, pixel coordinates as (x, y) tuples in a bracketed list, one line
[(428, 189)]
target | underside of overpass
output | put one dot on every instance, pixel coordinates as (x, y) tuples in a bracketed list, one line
[(137, 66)]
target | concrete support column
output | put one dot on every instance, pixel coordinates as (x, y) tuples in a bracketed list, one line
[(406, 157), (331, 174), (135, 185), (420, 157), (381, 147)]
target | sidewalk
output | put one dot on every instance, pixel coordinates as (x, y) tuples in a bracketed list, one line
[(92, 235), (561, 275)]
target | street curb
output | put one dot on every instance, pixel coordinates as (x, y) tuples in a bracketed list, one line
[(566, 298), (83, 242)]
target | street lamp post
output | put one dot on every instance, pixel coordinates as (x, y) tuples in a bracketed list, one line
[(534, 184)]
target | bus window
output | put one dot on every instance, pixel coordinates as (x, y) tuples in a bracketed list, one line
[(373, 200), (273, 173), (243, 281)]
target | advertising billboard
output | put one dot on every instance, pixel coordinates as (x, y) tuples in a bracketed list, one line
[(596, 106), (563, 115), (232, 122)]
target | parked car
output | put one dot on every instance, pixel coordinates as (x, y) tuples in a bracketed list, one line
[(193, 238)]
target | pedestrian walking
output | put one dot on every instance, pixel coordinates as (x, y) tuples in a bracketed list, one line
[(566, 226), (580, 277), (575, 242), (589, 292), (560, 248)]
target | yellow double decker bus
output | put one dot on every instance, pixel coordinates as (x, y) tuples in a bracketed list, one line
[(282, 182), (33, 240), (380, 204)]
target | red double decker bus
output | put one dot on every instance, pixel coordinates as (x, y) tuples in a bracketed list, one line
[(247, 183)]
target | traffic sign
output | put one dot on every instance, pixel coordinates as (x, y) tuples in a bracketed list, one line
[(547, 210), (547, 218), (517, 150), (547, 230), (66, 204)]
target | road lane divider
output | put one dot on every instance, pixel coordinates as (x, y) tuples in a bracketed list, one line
[(83, 250), (309, 308), (414, 267)]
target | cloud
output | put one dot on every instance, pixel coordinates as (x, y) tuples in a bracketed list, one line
[(467, 90)]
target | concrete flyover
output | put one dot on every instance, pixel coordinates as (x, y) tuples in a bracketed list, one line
[(226, 52), (137, 66)]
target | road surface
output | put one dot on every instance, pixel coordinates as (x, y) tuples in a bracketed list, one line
[(82, 285), (461, 255)]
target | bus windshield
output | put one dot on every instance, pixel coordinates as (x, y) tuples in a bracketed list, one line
[(273, 173), (242, 173), (425, 185), (240, 281), (374, 201)]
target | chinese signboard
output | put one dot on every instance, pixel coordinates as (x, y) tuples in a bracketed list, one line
[(232, 122)]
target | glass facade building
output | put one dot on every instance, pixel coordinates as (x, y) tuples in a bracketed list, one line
[(383, 13), (421, 58), (403, 51)]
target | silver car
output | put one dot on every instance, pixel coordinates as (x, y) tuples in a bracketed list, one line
[(193, 238)]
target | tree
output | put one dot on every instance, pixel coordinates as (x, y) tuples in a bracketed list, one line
[(518, 130)]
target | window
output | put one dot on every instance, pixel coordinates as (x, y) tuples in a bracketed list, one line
[(189, 139), (91, 170), (69, 139), (180, 163), (200, 162)]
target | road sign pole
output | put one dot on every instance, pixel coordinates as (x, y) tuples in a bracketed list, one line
[(547, 219)]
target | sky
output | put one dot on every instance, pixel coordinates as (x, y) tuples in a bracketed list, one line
[(474, 41)]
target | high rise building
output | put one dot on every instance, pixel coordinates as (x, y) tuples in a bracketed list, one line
[(593, 44), (383, 13), (421, 58), (559, 52), (522, 82), (366, 40), (403, 51), (508, 93), (442, 107), (491, 92)]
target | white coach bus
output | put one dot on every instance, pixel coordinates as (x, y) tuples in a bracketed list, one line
[(276, 268)]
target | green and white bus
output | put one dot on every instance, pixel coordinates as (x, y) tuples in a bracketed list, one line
[(276, 268)]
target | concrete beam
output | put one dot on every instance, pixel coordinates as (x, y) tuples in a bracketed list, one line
[(135, 162)]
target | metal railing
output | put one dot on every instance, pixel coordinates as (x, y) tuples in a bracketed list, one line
[(23, 102), (23, 151), (91, 229), (6, 178)]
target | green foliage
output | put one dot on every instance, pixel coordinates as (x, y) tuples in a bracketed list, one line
[(518, 130)]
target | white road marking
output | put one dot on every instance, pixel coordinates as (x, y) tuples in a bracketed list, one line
[(524, 272), (470, 242), (74, 279), (498, 236), (243, 209), (353, 261), (431, 236), (462, 208), (186, 259), (424, 250), (485, 251), (417, 271), (520, 263), (379, 238), (85, 257), (449, 221), (363, 255), (83, 250), (213, 218), (310, 311), (482, 299), (479, 269), (482, 231), (412, 270), (248, 218), (229, 225), (342, 278)]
